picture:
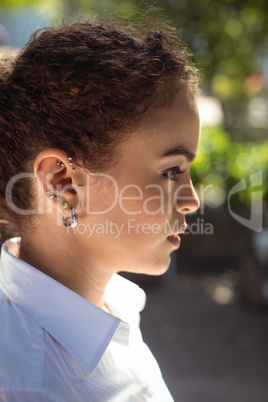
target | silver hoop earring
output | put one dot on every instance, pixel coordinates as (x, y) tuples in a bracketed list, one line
[(70, 223)]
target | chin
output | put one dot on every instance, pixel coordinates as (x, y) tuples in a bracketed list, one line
[(157, 269)]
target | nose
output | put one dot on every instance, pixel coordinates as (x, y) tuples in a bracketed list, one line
[(186, 199)]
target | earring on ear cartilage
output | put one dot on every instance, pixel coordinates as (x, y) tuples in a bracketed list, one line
[(59, 162), (71, 162), (64, 205), (80, 185), (70, 223), (55, 197)]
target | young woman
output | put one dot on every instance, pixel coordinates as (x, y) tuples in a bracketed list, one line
[(98, 129)]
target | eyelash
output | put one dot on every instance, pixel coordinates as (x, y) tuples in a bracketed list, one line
[(172, 173)]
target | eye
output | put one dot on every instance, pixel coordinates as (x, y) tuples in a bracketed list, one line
[(172, 173)]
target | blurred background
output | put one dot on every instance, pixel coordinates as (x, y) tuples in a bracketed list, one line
[(206, 318)]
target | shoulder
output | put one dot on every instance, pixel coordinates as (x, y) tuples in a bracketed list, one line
[(21, 348)]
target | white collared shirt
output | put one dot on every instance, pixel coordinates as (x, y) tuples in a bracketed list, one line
[(55, 346)]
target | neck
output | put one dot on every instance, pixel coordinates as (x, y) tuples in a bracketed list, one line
[(61, 258)]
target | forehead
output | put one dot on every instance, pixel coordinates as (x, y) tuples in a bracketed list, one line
[(179, 121), (171, 126)]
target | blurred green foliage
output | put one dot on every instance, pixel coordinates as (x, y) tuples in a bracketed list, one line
[(15, 4), (228, 37), (230, 40), (221, 163)]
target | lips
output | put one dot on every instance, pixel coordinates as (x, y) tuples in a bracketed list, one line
[(175, 240)]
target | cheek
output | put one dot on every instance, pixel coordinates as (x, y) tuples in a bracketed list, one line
[(130, 200), (150, 204), (101, 197), (155, 200), (145, 205)]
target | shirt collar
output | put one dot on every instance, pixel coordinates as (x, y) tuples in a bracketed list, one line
[(83, 329), (125, 299)]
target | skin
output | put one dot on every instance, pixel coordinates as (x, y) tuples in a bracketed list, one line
[(149, 204)]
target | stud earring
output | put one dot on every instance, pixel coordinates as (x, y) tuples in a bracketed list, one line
[(60, 163), (70, 223), (71, 162), (55, 197), (64, 205)]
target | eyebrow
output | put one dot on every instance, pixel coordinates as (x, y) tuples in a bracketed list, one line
[(179, 150)]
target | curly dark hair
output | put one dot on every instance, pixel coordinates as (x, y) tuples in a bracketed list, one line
[(82, 88)]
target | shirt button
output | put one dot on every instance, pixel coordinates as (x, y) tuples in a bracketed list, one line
[(145, 386)]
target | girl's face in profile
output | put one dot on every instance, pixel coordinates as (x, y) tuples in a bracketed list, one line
[(136, 209)]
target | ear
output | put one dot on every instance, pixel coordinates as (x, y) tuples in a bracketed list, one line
[(59, 178)]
